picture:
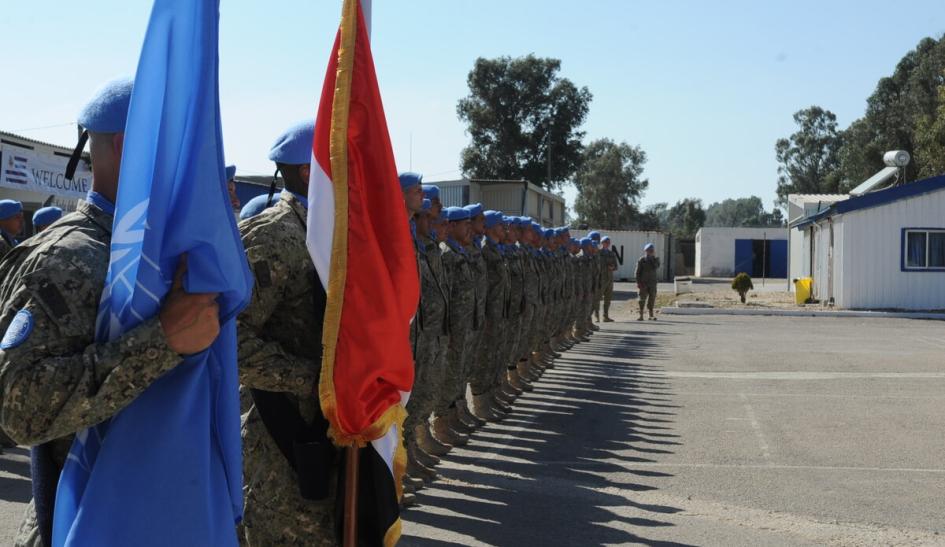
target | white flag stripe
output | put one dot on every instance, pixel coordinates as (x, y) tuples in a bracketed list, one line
[(321, 220)]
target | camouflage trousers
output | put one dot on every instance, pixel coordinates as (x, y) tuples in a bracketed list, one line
[(428, 380), (521, 348), (491, 343), (454, 374), (275, 512)]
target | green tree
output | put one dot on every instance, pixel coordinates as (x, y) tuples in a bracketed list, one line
[(653, 218), (900, 115), (809, 161), (930, 139), (523, 119), (685, 218), (748, 211), (610, 184)]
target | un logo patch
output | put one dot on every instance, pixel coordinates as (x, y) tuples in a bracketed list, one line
[(18, 331)]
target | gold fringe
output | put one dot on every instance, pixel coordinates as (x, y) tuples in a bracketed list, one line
[(338, 154), (393, 534)]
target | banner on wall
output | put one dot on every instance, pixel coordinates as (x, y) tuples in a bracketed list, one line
[(43, 173)]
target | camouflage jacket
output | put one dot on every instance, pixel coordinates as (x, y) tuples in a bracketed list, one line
[(480, 281), (531, 276), (609, 265), (515, 258), (647, 271), (498, 283), (280, 351), (55, 379), (434, 290), (462, 289)]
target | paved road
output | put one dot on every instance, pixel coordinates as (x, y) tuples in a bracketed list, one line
[(698, 431), (712, 431)]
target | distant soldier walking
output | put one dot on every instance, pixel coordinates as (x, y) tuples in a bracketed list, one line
[(647, 278)]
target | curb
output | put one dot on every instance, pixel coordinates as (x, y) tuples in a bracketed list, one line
[(802, 313)]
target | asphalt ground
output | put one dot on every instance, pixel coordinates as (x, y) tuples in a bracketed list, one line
[(697, 431), (712, 431)]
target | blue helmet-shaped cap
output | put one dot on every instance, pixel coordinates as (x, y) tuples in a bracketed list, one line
[(409, 180), (107, 110), (475, 209), (594, 235), (46, 216), (493, 218), (9, 208), (294, 146), (454, 214)]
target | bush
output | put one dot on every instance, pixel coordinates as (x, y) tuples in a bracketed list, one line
[(742, 284)]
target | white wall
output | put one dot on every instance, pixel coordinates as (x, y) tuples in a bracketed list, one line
[(872, 253), (715, 248), (629, 245)]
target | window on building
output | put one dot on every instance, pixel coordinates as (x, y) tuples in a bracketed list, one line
[(924, 249)]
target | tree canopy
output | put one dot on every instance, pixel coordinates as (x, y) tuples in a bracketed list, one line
[(742, 212), (519, 113), (808, 160), (610, 185)]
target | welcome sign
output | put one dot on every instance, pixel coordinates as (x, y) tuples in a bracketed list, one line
[(43, 173)]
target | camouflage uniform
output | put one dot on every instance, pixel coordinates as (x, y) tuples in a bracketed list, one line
[(609, 265), (462, 318), (481, 285), (58, 380), (280, 351), (516, 258), (6, 244), (646, 274), (432, 336), (483, 375)]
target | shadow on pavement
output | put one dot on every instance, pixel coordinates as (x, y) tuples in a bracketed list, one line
[(560, 469)]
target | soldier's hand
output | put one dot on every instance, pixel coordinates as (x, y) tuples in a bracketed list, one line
[(191, 322)]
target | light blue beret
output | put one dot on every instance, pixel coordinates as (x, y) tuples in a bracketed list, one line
[(493, 218), (294, 146), (257, 205), (230, 172), (107, 110), (575, 242), (475, 209), (648, 246), (46, 216), (9, 207), (548, 233), (605, 239), (537, 228), (587, 242), (431, 191), (408, 180), (594, 235), (427, 205), (456, 213)]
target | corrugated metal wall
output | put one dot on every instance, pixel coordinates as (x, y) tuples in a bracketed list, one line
[(506, 198), (871, 258)]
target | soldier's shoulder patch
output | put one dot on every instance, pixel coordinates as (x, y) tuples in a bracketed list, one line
[(19, 330)]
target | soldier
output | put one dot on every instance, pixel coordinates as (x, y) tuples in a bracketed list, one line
[(516, 334), (11, 224), (433, 340), (647, 279), (609, 265), (56, 378), (481, 284), (44, 217), (493, 349), (259, 204), (288, 464), (462, 311)]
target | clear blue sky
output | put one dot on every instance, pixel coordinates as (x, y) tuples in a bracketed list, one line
[(704, 87)]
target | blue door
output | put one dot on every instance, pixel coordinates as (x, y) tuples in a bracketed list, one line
[(778, 262), (744, 257)]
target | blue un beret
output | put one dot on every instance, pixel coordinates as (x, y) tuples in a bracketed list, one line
[(605, 239), (427, 205), (456, 213), (107, 110), (46, 216), (408, 180), (257, 205), (431, 191), (475, 209), (648, 246), (9, 207), (587, 242), (294, 146), (230, 172), (493, 218), (594, 235)]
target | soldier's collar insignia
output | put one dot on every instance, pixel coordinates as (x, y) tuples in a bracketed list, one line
[(19, 330)]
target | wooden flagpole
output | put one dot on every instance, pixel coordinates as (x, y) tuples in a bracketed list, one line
[(352, 461)]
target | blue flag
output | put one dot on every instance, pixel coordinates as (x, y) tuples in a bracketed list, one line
[(166, 470)]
